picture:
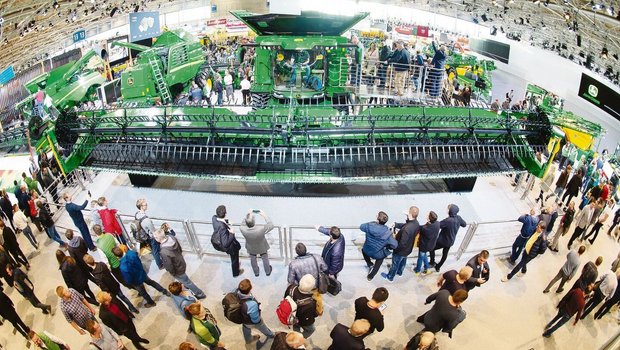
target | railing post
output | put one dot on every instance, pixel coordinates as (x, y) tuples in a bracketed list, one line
[(466, 240), (528, 187), (125, 234), (193, 238), (290, 243), (522, 176), (281, 243)]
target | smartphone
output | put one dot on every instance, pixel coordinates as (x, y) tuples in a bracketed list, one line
[(255, 210), (382, 307)]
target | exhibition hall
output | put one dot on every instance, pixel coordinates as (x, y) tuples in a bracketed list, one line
[(294, 174)]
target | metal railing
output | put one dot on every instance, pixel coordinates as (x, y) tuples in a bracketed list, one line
[(195, 235), (375, 78)]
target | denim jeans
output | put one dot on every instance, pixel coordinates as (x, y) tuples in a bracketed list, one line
[(184, 279), (559, 321), (30, 235), (398, 265), (155, 285), (422, 260), (53, 234), (155, 248), (522, 265), (307, 330), (85, 234), (261, 326), (517, 247), (143, 293)]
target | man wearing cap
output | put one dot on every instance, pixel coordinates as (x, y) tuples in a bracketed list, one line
[(172, 257)]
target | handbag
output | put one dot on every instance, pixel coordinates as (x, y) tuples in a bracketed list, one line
[(334, 287), (322, 283)]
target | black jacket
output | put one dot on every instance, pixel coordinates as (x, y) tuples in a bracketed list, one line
[(7, 207), (228, 240), (449, 227), (429, 233), (104, 279), (539, 247), (45, 217), (112, 321), (406, 236), (573, 185), (10, 241), (342, 339), (74, 277), (478, 272)]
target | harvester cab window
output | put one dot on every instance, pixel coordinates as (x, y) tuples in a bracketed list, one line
[(299, 69)]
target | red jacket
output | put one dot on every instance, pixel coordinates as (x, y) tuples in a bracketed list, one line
[(573, 303), (110, 223)]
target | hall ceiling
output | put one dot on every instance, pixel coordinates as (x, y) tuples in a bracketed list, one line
[(33, 28)]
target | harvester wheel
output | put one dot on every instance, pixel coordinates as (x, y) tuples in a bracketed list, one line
[(259, 100)]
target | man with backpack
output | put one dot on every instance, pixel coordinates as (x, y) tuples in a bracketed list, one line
[(301, 305), (379, 240), (143, 229), (224, 240), (174, 263), (204, 325), (134, 275), (250, 313)]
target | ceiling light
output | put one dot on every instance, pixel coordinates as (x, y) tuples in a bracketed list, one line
[(80, 2), (55, 5), (567, 16), (604, 52)]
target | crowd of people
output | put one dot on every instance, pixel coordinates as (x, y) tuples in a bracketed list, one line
[(107, 314)]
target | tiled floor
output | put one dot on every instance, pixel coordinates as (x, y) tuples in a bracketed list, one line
[(499, 315)]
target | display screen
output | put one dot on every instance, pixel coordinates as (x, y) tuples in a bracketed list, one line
[(117, 53), (491, 48), (143, 25), (600, 95)]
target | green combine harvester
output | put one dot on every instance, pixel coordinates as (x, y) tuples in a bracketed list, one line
[(301, 128)]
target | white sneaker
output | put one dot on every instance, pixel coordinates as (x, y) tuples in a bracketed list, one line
[(505, 279)]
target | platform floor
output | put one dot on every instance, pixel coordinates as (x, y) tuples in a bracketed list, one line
[(499, 315)]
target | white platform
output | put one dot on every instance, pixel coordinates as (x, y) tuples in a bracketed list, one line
[(499, 316)]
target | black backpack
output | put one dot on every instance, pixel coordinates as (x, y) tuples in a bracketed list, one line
[(233, 308), (138, 232)]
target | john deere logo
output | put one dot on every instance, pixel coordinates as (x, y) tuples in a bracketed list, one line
[(130, 81), (592, 90)]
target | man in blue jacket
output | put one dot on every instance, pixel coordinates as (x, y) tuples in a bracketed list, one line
[(75, 212), (135, 276), (449, 228), (379, 240), (529, 222), (405, 238), (333, 251), (251, 313)]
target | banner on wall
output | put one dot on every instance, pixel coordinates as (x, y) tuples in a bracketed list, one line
[(7, 75), (600, 95), (414, 30), (143, 25)]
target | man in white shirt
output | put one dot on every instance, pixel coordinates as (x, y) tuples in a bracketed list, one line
[(582, 219), (606, 288), (245, 91), (228, 85)]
